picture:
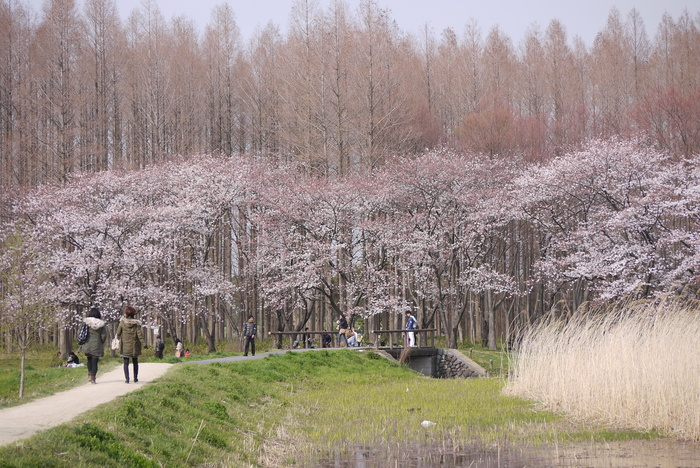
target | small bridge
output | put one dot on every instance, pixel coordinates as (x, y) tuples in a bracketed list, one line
[(439, 363), (433, 362)]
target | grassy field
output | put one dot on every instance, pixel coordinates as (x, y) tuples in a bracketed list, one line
[(291, 409)]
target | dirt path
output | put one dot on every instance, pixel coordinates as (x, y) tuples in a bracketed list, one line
[(19, 422)]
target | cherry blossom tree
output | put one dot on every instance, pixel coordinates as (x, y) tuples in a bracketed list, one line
[(197, 243), (619, 215), (311, 245), (23, 312), (446, 214)]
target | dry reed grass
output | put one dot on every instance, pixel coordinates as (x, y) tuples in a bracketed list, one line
[(637, 368)]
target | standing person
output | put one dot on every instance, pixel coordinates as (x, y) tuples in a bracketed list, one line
[(179, 348), (250, 330), (411, 325), (94, 347), (307, 338), (342, 329), (130, 336), (159, 347)]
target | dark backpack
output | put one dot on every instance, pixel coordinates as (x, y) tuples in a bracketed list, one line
[(83, 334)]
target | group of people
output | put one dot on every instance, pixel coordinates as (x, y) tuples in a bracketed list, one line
[(347, 334), (131, 342), (350, 337)]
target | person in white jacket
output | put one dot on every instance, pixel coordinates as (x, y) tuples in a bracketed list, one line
[(94, 347)]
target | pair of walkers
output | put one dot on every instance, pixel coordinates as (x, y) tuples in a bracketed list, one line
[(129, 333)]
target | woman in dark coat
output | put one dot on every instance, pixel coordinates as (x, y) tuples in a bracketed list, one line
[(130, 336), (342, 328), (94, 347)]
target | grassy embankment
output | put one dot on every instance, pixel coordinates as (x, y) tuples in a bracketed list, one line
[(638, 368), (45, 375), (288, 409)]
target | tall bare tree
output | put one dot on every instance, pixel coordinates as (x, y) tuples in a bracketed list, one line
[(611, 75), (56, 54), (147, 85), (16, 167), (222, 50), (559, 66), (261, 90), (338, 46), (185, 134), (103, 67)]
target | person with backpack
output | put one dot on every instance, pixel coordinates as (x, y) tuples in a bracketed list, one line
[(94, 345), (130, 336), (159, 347)]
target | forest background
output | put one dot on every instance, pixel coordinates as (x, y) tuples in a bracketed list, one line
[(345, 167)]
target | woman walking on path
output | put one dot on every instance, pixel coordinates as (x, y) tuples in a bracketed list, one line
[(130, 337), (342, 329), (94, 347)]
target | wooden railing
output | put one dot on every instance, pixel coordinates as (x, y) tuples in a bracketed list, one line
[(300, 334), (423, 337), (394, 338)]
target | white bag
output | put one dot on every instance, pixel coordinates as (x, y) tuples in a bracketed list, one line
[(115, 343)]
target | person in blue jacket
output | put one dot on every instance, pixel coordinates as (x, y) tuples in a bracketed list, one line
[(411, 325)]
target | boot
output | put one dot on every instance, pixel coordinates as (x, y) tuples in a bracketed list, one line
[(89, 377), (92, 379)]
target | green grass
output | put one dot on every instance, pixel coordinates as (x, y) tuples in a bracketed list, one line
[(43, 377), (284, 409), (495, 362)]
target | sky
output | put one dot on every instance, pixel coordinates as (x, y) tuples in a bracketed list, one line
[(583, 18)]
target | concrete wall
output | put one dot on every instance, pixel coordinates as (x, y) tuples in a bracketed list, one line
[(438, 363), (451, 364)]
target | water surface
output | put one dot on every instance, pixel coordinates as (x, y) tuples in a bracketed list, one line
[(659, 453)]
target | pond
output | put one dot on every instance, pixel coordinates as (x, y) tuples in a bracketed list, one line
[(660, 453)]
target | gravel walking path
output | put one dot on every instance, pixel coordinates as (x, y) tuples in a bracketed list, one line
[(19, 422)]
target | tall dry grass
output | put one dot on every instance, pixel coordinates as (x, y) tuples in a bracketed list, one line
[(636, 368)]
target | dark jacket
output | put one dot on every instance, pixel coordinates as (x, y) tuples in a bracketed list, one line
[(130, 336), (97, 335), (251, 329)]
